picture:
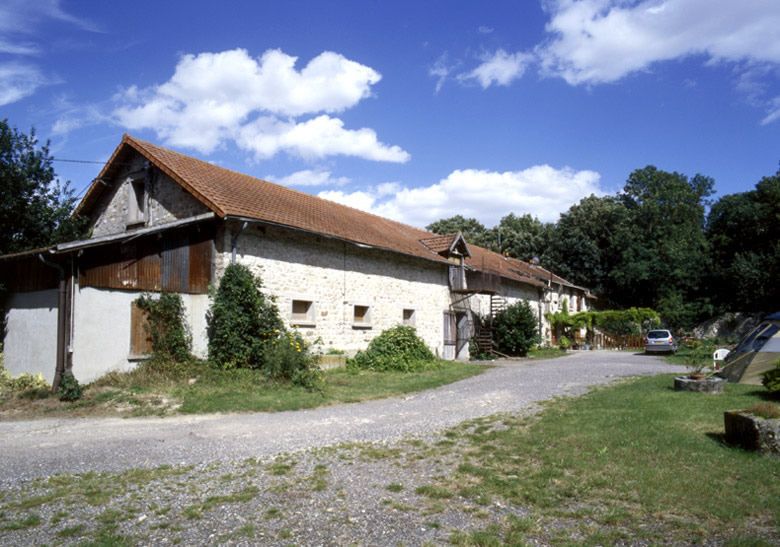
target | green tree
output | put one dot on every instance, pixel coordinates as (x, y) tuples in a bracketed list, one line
[(472, 229), (662, 252), (523, 237), (743, 231), (580, 246), (35, 206)]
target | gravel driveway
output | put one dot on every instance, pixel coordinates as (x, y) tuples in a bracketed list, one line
[(50, 446)]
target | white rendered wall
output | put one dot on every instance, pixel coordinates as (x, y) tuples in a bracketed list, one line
[(101, 330), (31, 333), (336, 276)]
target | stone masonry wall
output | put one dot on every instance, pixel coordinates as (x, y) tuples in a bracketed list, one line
[(166, 202), (335, 276)]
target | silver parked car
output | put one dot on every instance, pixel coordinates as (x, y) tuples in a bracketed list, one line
[(660, 340)]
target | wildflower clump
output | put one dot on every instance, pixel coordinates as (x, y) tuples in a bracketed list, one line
[(287, 358)]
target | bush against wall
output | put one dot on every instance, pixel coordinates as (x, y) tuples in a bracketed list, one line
[(241, 320), (70, 389), (516, 329), (246, 331), (167, 327), (398, 348)]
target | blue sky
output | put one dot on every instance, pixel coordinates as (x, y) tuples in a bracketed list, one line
[(412, 110)]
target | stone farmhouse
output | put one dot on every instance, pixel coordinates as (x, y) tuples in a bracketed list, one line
[(163, 221)]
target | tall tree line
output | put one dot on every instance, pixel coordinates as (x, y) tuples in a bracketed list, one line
[(660, 242)]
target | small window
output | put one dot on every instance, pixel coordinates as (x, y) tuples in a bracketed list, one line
[(302, 312), (361, 316), (136, 202), (409, 317)]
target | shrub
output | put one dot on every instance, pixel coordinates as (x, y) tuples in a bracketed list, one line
[(22, 383), (167, 327), (697, 354), (771, 379), (398, 348), (70, 389), (564, 343), (241, 320), (516, 329), (287, 358)]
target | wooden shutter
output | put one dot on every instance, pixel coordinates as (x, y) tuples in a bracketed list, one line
[(140, 341)]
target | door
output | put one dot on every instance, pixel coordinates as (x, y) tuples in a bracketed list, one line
[(462, 335), (450, 335)]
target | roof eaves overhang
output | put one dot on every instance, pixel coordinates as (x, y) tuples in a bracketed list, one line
[(31, 252), (126, 236)]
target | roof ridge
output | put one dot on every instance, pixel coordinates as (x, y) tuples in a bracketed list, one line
[(299, 192)]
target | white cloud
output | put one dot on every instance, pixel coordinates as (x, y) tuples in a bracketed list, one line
[(18, 48), (601, 41), (19, 80), (484, 29), (441, 71), (358, 200), (71, 117), (541, 190), (22, 16), (773, 111), (310, 177), (500, 68), (314, 139), (18, 20), (213, 98)]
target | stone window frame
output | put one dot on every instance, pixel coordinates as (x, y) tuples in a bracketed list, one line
[(310, 319), (367, 321), (412, 320)]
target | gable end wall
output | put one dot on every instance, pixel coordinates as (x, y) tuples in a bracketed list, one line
[(167, 201)]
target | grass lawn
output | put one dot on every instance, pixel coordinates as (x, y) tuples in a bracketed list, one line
[(198, 388), (248, 391), (634, 462)]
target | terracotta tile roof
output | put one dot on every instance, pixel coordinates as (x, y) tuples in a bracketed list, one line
[(439, 244), (229, 193)]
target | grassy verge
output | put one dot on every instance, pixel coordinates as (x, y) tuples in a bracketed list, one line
[(248, 391), (633, 463), (198, 388), (546, 353)]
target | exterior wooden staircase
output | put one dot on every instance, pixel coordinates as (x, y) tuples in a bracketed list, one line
[(483, 335)]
